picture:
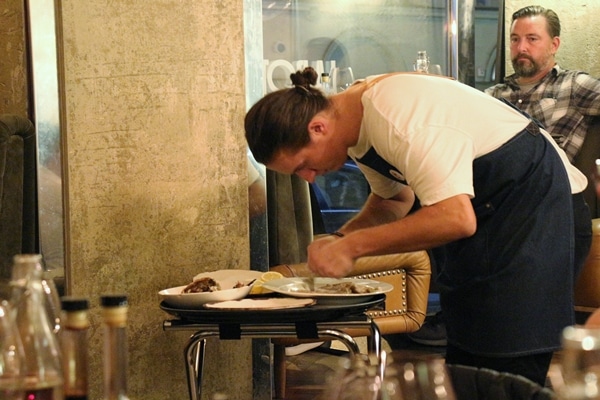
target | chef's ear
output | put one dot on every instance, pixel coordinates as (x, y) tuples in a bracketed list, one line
[(317, 126)]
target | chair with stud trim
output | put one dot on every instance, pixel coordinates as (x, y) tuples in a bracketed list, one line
[(405, 306)]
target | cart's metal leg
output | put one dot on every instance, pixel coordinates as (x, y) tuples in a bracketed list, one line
[(194, 350), (194, 362), (343, 337), (374, 341)]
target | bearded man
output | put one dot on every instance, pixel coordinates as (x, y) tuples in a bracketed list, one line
[(564, 101)]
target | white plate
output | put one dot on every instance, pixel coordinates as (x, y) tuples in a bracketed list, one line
[(226, 278), (262, 304), (298, 287)]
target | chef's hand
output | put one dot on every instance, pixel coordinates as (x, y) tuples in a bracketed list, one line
[(328, 257)]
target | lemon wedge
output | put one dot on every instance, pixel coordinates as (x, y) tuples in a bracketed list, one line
[(270, 276), (258, 288)]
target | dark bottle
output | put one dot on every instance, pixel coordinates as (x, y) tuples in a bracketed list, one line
[(114, 313), (43, 366), (74, 346)]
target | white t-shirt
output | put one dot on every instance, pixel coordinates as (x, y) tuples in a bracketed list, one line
[(431, 129)]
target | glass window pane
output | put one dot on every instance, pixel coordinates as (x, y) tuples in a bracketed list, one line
[(369, 37)]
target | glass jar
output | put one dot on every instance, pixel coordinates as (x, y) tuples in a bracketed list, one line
[(43, 363), (392, 377), (12, 358), (580, 366)]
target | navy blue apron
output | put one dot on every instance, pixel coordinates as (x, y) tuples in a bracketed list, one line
[(507, 290)]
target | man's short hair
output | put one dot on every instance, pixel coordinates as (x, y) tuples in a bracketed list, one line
[(553, 23)]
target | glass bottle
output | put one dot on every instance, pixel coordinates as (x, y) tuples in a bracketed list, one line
[(114, 313), (326, 83), (50, 293), (74, 346), (11, 356), (580, 365), (52, 302), (422, 62), (43, 365)]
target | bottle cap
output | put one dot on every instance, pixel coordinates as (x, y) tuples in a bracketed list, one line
[(113, 300), (75, 309), (71, 303), (114, 309)]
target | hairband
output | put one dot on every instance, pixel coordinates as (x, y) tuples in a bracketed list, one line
[(303, 88)]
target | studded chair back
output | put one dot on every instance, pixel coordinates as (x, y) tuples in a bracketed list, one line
[(405, 306)]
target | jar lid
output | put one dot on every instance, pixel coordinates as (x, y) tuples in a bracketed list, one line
[(71, 303), (579, 337), (113, 300)]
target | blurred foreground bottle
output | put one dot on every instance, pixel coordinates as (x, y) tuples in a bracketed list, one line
[(393, 377), (43, 365), (12, 359), (51, 302), (580, 365), (74, 345), (114, 313)]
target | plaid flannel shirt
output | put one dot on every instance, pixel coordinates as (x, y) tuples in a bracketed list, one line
[(563, 101)]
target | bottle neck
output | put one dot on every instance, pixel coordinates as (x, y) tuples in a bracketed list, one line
[(25, 267), (76, 320), (115, 316), (115, 353)]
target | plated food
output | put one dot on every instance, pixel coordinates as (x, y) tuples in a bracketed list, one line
[(346, 287), (208, 287), (234, 284), (330, 290), (206, 284)]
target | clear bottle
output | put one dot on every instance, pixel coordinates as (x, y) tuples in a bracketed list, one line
[(43, 362), (580, 365), (12, 358), (50, 293), (114, 313), (74, 346), (422, 62), (326, 84), (52, 302)]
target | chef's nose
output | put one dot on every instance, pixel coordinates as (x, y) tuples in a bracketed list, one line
[(308, 175)]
